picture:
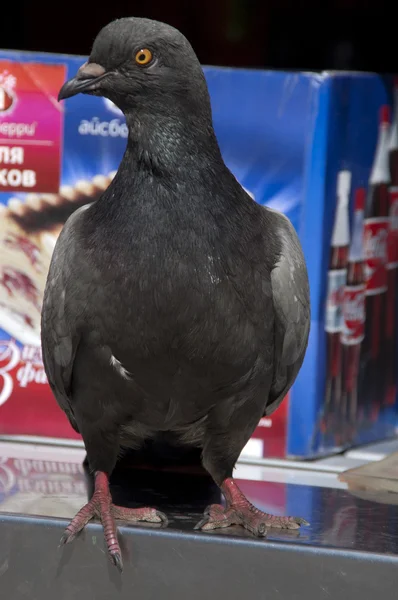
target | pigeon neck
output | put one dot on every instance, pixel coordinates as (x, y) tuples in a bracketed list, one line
[(169, 144)]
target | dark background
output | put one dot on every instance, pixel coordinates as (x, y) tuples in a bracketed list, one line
[(281, 34)]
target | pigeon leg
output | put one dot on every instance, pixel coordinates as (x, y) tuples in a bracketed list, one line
[(222, 447), (239, 511), (101, 506)]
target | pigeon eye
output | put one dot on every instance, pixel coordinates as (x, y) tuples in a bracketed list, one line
[(143, 57)]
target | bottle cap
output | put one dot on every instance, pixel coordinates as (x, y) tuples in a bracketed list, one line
[(360, 197), (385, 114), (344, 184)]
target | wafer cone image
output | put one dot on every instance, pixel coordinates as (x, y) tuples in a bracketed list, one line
[(29, 229)]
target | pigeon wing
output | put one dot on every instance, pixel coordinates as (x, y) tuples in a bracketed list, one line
[(291, 299), (59, 322)]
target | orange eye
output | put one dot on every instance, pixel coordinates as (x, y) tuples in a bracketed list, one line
[(143, 57)]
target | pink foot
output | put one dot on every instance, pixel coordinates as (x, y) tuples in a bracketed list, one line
[(101, 506), (240, 511)]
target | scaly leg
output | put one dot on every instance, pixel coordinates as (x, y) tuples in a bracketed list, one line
[(227, 435), (239, 511), (101, 506)]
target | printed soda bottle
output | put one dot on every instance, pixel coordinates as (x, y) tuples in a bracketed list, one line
[(392, 264), (353, 318), (373, 351), (337, 277)]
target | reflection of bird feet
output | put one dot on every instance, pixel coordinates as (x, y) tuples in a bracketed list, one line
[(250, 517), (101, 506)]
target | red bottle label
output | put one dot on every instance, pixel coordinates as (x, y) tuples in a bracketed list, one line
[(334, 302), (353, 314), (393, 230), (375, 251)]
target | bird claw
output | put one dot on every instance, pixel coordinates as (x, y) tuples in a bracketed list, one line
[(161, 518), (259, 523), (107, 513), (216, 517), (249, 517), (201, 523), (135, 515), (116, 559), (207, 515), (65, 539), (301, 521)]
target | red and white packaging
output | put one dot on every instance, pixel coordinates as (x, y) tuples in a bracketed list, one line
[(354, 316), (376, 228), (391, 317), (334, 321)]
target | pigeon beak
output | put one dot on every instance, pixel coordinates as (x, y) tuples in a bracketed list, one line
[(87, 79)]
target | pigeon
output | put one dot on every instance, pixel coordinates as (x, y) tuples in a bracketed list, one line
[(176, 306)]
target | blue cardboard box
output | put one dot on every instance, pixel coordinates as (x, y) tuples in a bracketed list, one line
[(287, 137)]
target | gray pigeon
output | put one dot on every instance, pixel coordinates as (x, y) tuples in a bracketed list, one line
[(175, 304)]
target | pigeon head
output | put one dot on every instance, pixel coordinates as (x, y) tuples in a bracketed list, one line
[(140, 64)]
